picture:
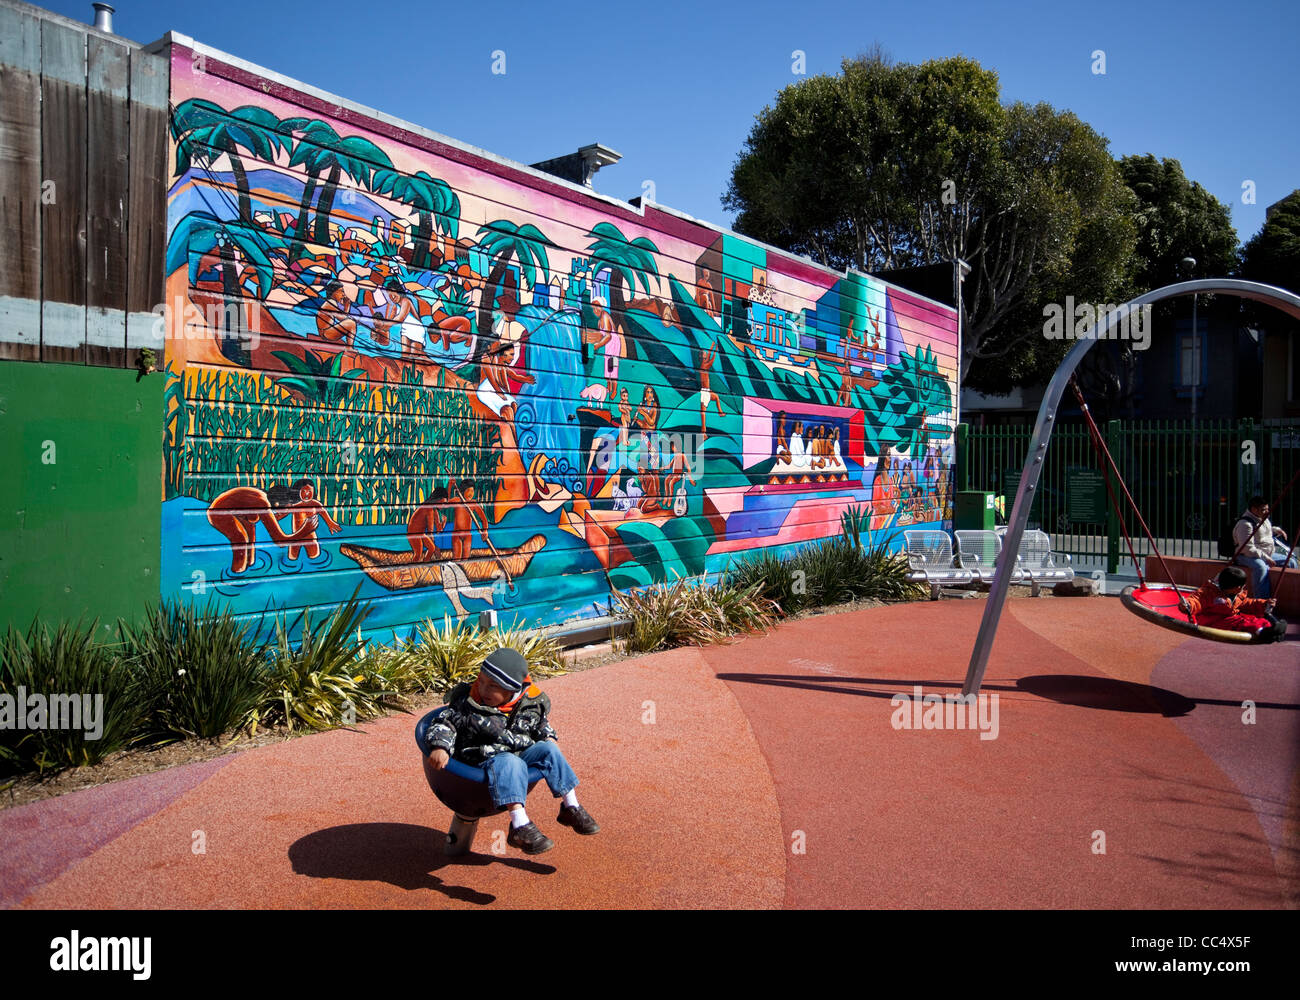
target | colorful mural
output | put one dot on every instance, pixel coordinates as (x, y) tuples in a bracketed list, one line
[(397, 365)]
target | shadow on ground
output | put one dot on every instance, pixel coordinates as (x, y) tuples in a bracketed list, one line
[(1103, 693), (400, 854)]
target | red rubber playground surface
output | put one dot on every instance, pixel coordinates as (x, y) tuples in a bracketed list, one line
[(763, 774)]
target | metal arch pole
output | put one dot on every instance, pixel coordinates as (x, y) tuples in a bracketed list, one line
[(1282, 299)]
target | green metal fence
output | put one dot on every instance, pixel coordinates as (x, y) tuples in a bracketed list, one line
[(1189, 479)]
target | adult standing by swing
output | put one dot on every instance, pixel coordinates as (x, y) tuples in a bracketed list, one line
[(1255, 538)]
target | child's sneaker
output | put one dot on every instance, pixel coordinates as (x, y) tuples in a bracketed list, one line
[(529, 839), (578, 818)]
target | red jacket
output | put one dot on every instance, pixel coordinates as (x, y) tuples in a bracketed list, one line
[(1210, 603)]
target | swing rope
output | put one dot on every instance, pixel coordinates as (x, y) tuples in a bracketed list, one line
[(1099, 445)]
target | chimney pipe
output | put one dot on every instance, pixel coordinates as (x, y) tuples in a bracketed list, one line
[(103, 16)]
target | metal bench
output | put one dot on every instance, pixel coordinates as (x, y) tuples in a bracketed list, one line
[(1038, 563), (929, 555), (978, 552)]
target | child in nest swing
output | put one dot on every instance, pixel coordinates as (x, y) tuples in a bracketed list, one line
[(499, 723), (1222, 603)]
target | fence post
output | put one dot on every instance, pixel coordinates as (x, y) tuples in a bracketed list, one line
[(962, 448), (1247, 479), (1112, 520)]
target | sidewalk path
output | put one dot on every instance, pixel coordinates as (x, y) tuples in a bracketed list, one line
[(770, 776)]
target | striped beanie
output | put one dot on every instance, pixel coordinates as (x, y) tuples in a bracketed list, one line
[(507, 668)]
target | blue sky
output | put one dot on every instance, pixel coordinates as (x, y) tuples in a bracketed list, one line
[(675, 86)]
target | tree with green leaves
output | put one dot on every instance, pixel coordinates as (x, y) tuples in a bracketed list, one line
[(888, 166), (1272, 255), (204, 132)]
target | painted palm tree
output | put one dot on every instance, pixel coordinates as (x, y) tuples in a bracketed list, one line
[(361, 160), (321, 151), (629, 261), (435, 203), (504, 242), (310, 154), (199, 236), (204, 132)]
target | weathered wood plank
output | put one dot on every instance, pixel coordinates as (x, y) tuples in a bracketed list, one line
[(107, 102), (147, 201), (63, 212), (20, 186)]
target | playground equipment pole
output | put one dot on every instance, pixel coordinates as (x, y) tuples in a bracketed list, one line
[(1288, 302)]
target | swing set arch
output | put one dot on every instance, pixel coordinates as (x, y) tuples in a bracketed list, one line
[(1100, 329)]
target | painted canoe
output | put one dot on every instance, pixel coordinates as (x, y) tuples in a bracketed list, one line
[(400, 571)]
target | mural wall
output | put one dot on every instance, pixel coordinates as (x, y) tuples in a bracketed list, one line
[(392, 363)]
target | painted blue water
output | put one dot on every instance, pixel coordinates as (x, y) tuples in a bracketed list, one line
[(544, 421), (197, 567)]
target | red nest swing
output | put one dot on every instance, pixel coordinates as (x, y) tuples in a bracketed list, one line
[(1158, 604), (1162, 603)]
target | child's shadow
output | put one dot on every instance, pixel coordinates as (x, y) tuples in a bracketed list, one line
[(400, 854)]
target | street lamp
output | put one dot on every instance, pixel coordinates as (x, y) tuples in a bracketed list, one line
[(1189, 268)]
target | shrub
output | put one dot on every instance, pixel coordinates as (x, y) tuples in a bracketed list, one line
[(689, 612), (844, 568), (68, 662), (318, 681), (454, 652), (199, 673)]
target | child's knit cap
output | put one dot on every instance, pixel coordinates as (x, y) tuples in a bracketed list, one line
[(507, 668)]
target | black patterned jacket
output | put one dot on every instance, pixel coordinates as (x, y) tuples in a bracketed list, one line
[(471, 733)]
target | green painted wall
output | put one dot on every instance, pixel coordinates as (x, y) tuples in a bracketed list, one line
[(81, 454)]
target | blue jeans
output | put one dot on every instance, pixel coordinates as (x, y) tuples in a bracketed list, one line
[(507, 773), (1258, 570)]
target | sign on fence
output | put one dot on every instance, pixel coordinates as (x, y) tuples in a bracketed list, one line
[(1085, 496)]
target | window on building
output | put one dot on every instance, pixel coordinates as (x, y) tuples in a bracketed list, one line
[(1191, 360)]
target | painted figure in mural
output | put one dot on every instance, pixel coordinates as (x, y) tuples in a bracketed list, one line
[(706, 395), (647, 422), (466, 516), (884, 487), (798, 451), (782, 444), (236, 513), (508, 330), (429, 519), (495, 390), (707, 299), (677, 468), (649, 481), (300, 498), (670, 317), (454, 330), (835, 449), (396, 310), (608, 338), (624, 417), (818, 448), (333, 319)]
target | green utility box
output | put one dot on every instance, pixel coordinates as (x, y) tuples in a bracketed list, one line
[(973, 511)]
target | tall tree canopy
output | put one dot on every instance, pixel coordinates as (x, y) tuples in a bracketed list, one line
[(889, 165), (1273, 254), (1176, 218)]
